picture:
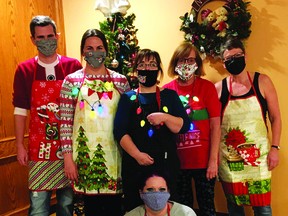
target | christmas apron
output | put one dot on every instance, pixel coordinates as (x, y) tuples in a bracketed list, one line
[(46, 165), (95, 150), (243, 153)]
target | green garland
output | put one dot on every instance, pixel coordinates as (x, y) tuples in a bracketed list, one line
[(214, 29)]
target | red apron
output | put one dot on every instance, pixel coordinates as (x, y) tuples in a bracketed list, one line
[(46, 166)]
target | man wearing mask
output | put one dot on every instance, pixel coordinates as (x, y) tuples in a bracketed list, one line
[(37, 84)]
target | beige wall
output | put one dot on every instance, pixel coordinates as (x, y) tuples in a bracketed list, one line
[(158, 23)]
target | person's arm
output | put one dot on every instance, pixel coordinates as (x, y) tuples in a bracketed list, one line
[(176, 119), (174, 123), (67, 108), (214, 109), (22, 155), (271, 97), (128, 145), (215, 133)]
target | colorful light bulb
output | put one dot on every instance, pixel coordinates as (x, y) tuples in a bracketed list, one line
[(139, 110), (150, 132), (100, 108), (191, 126), (81, 104)]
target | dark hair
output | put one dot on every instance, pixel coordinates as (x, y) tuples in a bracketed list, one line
[(93, 33), (183, 51), (41, 21), (231, 43), (145, 175), (147, 54)]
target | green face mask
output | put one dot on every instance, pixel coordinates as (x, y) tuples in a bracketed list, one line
[(47, 47), (95, 58)]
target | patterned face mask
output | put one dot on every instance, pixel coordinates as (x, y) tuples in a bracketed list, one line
[(186, 71), (155, 200), (47, 46), (95, 58)]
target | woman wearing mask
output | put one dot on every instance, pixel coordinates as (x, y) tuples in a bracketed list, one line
[(146, 124), (88, 103), (246, 155), (198, 148), (154, 191)]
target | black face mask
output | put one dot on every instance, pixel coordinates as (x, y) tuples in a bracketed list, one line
[(147, 78), (235, 65)]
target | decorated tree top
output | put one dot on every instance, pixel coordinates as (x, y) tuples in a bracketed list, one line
[(208, 31), (121, 36)]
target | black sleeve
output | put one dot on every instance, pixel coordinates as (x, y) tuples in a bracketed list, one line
[(122, 117)]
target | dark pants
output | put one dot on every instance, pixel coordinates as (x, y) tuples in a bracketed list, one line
[(204, 190), (103, 205)]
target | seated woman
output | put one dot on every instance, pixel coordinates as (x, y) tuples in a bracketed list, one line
[(154, 192)]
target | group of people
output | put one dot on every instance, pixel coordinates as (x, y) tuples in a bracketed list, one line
[(136, 151)]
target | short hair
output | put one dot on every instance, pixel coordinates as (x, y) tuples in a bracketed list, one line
[(231, 43), (148, 173), (183, 51), (93, 33), (41, 20), (147, 54)]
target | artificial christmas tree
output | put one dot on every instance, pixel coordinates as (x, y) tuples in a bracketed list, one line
[(122, 44)]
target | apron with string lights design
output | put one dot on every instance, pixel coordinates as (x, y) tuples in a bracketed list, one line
[(46, 166), (95, 150), (243, 152)]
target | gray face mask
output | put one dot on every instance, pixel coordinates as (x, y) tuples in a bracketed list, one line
[(46, 47), (155, 200), (95, 58)]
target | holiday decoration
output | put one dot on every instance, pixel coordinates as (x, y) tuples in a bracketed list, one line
[(83, 159), (109, 7), (213, 27), (122, 44)]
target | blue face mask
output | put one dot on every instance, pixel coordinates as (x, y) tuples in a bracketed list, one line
[(95, 58), (155, 200)]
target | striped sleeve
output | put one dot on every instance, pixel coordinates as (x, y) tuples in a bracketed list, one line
[(67, 108)]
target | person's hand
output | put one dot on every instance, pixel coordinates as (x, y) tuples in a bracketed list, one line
[(156, 118), (22, 155), (144, 159), (70, 168), (273, 159), (212, 171)]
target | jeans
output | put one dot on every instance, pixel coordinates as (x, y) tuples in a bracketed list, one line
[(40, 202), (235, 210)]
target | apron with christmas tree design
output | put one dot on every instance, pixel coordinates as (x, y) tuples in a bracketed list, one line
[(243, 153), (95, 150)]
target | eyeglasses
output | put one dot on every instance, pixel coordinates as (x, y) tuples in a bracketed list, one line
[(237, 55), (186, 60), (143, 66)]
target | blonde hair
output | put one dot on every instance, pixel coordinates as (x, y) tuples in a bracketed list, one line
[(183, 51)]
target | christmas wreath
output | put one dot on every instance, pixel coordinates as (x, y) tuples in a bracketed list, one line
[(213, 27)]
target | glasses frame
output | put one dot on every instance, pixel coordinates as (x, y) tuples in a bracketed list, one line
[(143, 66), (236, 55)]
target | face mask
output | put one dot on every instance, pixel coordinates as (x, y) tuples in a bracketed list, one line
[(46, 47), (186, 71), (95, 58), (235, 65), (147, 78), (155, 200)]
